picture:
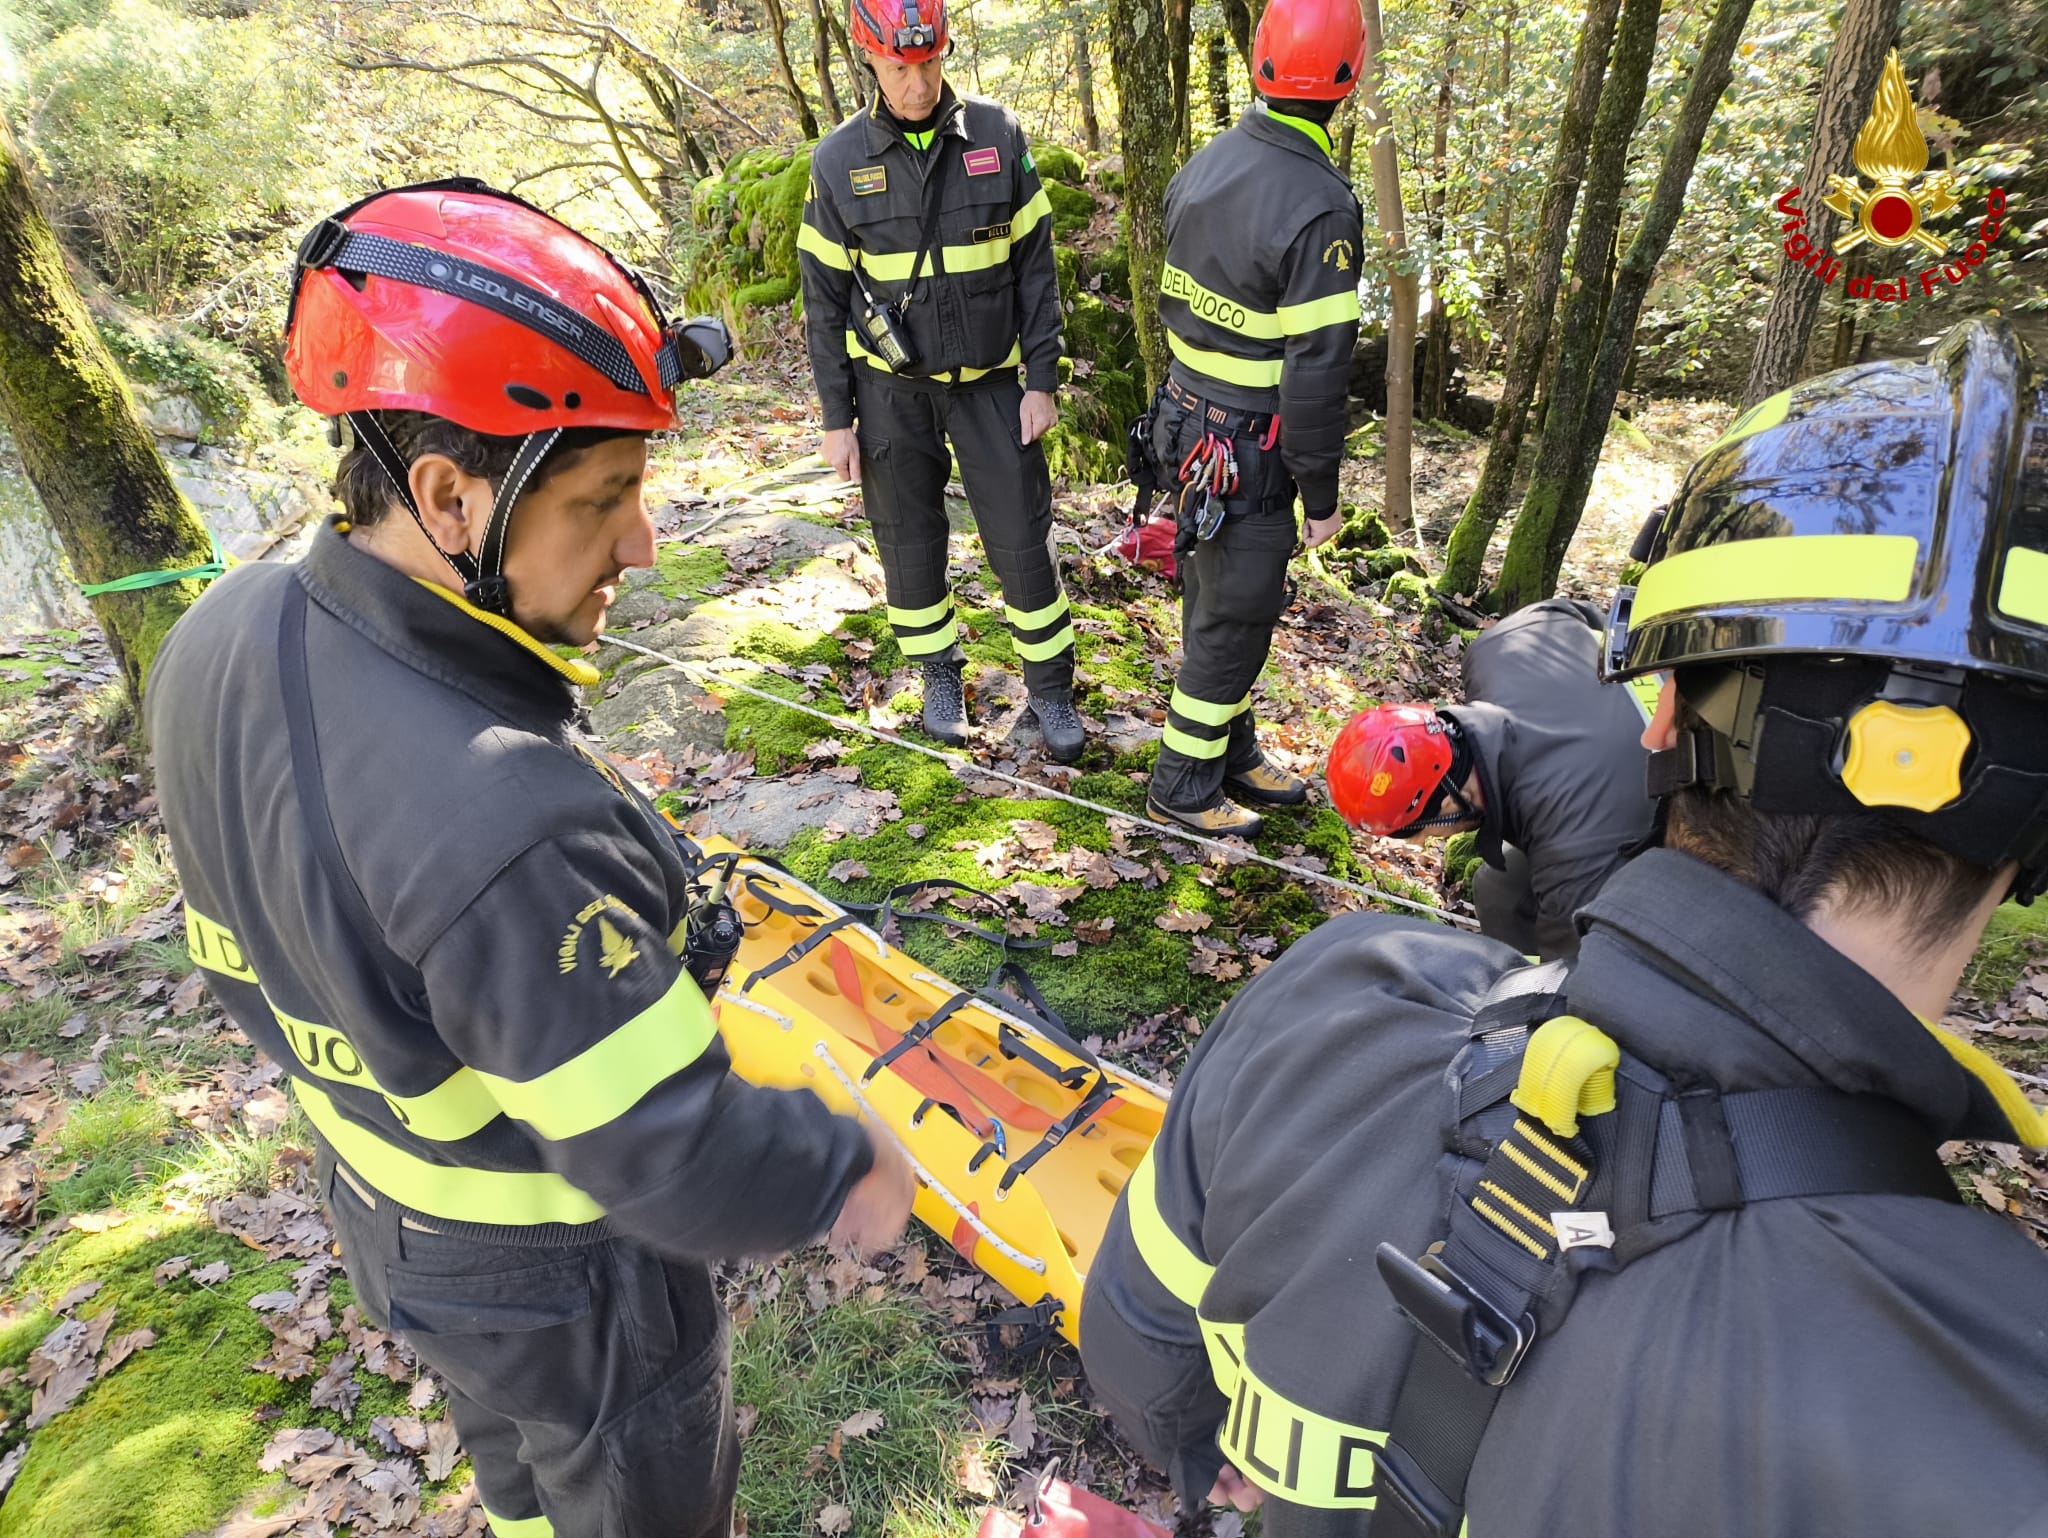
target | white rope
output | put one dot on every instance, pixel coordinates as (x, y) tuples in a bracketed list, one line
[(960, 765), (925, 1177)]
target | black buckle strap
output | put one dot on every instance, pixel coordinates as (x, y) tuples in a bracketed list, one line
[(1092, 1104), (801, 949), (1455, 1317), (1224, 420), (916, 1036)]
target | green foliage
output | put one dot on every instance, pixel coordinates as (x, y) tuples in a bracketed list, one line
[(766, 294), (1072, 207), (1057, 163), (220, 380), (115, 1137), (750, 214), (1461, 858)]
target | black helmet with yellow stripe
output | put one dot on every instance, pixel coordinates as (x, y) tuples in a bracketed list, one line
[(1851, 589)]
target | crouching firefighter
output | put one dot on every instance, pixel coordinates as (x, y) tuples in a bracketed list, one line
[(1542, 760), (411, 880), (928, 276), (1259, 298), (1658, 1242)]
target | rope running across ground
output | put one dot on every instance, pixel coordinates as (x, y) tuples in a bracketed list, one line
[(960, 764)]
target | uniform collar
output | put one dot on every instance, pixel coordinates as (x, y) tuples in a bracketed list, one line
[(1696, 973), (1485, 729), (1270, 127), (434, 632), (880, 129), (1314, 132)]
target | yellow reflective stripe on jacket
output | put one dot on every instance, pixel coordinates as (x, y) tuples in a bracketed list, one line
[(1218, 309), (575, 670), (1205, 711), (1253, 373), (1314, 314), (458, 1194), (1025, 219), (1282, 1446), (895, 266), (519, 1527), (827, 250), (610, 1077), (1798, 568), (211, 946), (953, 376), (1179, 1270), (460, 1106), (2023, 590)]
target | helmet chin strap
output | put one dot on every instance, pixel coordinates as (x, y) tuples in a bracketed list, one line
[(482, 574)]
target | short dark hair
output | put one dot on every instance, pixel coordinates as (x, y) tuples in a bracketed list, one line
[(1853, 861), (1317, 112), (366, 493)]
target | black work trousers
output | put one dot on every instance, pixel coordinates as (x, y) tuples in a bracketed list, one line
[(902, 426), (589, 1382), (1233, 589)]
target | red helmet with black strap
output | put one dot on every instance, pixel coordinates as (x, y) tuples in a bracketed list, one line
[(908, 31), (466, 303), (1388, 767), (1308, 50)]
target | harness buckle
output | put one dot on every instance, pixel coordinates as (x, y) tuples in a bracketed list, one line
[(1455, 1316), (1428, 1510)]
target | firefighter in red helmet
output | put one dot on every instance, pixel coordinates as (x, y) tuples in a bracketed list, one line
[(1259, 298), (411, 880), (1542, 760), (928, 278)]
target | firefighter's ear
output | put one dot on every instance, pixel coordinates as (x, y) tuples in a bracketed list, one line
[(1662, 732), (454, 505)]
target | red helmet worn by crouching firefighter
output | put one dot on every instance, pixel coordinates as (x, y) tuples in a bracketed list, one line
[(1387, 767), (908, 31), (463, 302), (1308, 50)]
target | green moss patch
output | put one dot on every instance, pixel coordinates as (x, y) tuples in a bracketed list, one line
[(1072, 208), (1057, 163), (685, 571)]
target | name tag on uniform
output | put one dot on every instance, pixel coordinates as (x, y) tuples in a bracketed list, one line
[(990, 232), (983, 162), (867, 179)]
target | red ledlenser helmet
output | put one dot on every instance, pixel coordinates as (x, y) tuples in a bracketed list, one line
[(908, 31), (1387, 765), (1308, 50), (459, 301)]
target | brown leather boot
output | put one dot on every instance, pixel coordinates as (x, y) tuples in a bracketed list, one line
[(1268, 784)]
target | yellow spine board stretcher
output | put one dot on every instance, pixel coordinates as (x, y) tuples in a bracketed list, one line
[(1007, 1173)]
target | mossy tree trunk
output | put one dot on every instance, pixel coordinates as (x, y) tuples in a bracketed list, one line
[(90, 458), (1525, 566), (1239, 17), (1084, 82), (1403, 287), (1219, 80), (1467, 550), (821, 62), (1614, 365), (1141, 64), (1436, 365), (1180, 39), (1848, 87)]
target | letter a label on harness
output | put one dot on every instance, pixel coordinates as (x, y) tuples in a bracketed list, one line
[(983, 162), (869, 179)]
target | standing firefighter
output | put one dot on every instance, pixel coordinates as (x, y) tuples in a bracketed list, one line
[(1543, 760), (1669, 1224), (926, 253), (1260, 303), (412, 882)]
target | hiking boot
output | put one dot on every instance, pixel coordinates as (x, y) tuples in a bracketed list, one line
[(1059, 723), (945, 703), (1268, 784), (1223, 819)]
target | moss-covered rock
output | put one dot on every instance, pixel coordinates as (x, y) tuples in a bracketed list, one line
[(766, 294), (746, 220), (1363, 529), (1461, 857), (1057, 163), (1072, 207), (1113, 266)]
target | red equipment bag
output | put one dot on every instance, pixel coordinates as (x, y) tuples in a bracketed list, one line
[(1149, 544)]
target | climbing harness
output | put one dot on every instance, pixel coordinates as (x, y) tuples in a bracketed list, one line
[(1574, 1157), (1034, 1134)]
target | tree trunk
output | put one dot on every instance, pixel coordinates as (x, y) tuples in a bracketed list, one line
[(856, 71), (1507, 185), (1403, 287), (1219, 81), (1084, 75), (821, 62), (1436, 364), (778, 29), (1616, 361), (1347, 137), (1523, 567), (1855, 59), (90, 459), (1240, 19), (1467, 550), (1180, 42), (1141, 68)]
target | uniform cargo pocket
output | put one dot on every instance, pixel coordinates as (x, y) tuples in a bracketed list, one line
[(674, 1457), (497, 1302), (521, 1340)]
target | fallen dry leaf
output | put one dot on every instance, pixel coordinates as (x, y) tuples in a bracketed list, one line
[(833, 1520), (126, 1346), (861, 1423), (1023, 1428), (1179, 921), (213, 1275), (75, 1296), (847, 870), (176, 1266), (189, 994), (287, 1446), (443, 1450), (337, 1389), (1988, 1191)]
